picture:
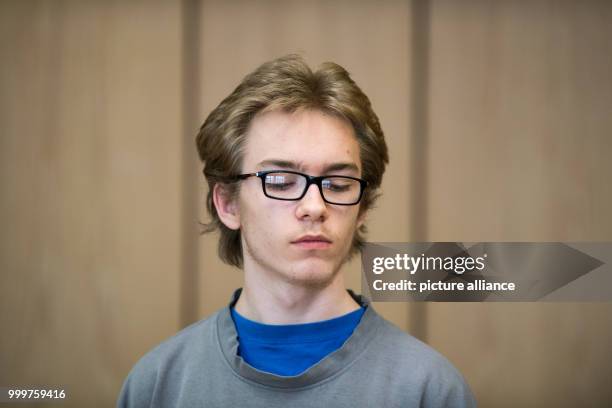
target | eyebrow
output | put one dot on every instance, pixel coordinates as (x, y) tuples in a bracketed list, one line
[(286, 164)]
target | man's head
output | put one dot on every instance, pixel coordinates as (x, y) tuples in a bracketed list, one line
[(284, 112)]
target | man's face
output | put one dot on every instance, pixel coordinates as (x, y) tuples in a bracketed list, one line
[(310, 142)]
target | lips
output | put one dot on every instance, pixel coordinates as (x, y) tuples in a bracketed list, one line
[(312, 242)]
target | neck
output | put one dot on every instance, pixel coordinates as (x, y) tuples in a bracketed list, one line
[(274, 302)]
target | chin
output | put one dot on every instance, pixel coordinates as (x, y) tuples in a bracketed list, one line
[(314, 274)]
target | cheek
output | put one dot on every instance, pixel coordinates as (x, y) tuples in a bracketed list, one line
[(262, 222), (347, 225), (350, 217)]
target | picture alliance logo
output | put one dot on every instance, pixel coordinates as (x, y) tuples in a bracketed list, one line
[(404, 262)]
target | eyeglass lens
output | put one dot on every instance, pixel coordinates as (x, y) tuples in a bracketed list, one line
[(290, 186)]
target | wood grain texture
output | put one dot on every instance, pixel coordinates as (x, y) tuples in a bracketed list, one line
[(90, 160), (520, 102)]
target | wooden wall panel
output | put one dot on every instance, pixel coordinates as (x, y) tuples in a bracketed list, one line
[(519, 150), (90, 179)]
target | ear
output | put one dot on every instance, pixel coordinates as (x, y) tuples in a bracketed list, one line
[(227, 208), (361, 218)]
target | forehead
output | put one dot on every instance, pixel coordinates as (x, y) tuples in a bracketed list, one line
[(310, 138)]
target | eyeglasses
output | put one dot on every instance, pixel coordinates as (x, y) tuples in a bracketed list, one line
[(292, 186)]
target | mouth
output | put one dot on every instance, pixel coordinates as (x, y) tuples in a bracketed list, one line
[(312, 242)]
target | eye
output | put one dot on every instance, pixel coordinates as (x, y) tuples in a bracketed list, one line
[(280, 186), (280, 182), (338, 185)]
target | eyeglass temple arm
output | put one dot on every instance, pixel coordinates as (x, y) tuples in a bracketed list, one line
[(236, 177)]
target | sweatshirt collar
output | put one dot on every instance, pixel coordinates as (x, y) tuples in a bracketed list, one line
[(332, 364)]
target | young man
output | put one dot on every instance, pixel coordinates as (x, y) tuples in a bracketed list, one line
[(293, 161)]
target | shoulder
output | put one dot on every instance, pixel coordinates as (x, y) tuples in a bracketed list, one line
[(169, 356), (187, 341), (405, 347), (408, 361)]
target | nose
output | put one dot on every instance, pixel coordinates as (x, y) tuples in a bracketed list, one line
[(312, 205)]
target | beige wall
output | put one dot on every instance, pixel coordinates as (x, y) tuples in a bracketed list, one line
[(90, 116), (496, 115), (520, 108)]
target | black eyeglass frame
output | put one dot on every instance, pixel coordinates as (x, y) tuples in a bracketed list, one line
[(316, 180)]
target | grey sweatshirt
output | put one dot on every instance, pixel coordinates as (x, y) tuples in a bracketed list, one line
[(378, 366)]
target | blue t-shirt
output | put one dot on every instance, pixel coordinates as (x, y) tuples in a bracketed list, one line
[(291, 349)]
